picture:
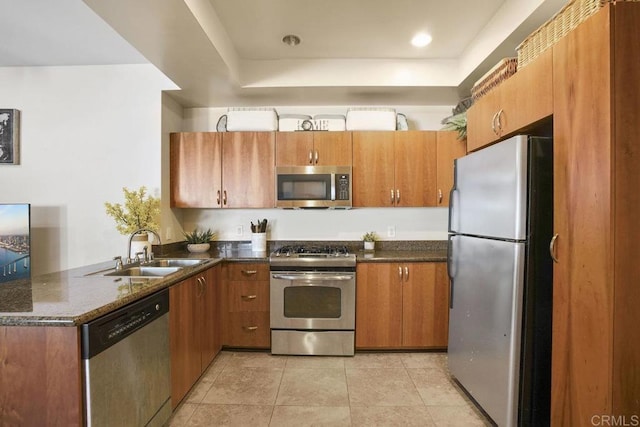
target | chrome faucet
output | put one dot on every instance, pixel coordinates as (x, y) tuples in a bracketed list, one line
[(148, 256)]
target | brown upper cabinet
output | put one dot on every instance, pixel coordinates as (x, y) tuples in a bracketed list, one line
[(313, 149), (520, 101), (222, 169), (449, 149), (394, 168)]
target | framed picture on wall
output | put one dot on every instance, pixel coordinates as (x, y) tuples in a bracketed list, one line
[(9, 136)]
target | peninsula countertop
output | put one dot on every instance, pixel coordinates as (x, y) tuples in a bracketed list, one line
[(73, 297)]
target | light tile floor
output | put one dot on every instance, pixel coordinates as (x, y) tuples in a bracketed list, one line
[(369, 389)]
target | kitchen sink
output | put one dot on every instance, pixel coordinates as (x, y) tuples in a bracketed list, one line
[(174, 262), (159, 267), (144, 271)]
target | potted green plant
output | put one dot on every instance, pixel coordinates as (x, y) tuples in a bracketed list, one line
[(369, 239), (457, 123), (140, 211), (199, 241)]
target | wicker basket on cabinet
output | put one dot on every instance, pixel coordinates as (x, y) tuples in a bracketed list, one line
[(567, 18)]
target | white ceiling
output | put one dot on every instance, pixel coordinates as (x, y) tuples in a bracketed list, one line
[(352, 29), (229, 52)]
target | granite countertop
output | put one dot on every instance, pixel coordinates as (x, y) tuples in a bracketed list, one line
[(76, 296), (73, 297), (402, 256)]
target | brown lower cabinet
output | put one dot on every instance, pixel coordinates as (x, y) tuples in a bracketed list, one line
[(194, 329), (246, 314), (402, 305)]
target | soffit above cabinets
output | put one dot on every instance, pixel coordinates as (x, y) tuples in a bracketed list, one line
[(229, 53)]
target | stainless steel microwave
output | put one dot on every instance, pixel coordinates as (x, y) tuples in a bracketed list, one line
[(309, 187)]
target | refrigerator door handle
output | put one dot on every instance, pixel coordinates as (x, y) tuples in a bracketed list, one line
[(452, 197), (452, 207), (552, 248), (449, 272)]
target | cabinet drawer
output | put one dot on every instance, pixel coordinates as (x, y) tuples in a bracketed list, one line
[(247, 271), (249, 329), (243, 296)]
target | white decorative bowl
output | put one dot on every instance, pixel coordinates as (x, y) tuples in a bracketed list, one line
[(198, 247)]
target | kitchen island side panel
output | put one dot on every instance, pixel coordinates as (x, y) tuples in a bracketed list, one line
[(40, 376)]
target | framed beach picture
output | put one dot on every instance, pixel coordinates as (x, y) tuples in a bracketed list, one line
[(9, 136)]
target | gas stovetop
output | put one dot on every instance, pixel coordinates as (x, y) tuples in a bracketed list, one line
[(310, 256)]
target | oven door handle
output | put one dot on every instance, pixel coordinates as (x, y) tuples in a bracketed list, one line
[(307, 277)]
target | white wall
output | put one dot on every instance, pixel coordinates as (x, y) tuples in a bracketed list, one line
[(409, 223), (86, 132), (171, 219)]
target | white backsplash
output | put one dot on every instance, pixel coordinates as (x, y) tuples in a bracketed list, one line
[(405, 223)]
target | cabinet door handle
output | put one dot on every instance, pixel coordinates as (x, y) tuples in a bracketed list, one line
[(397, 196), (249, 272), (310, 157), (248, 297), (218, 198), (249, 328), (393, 197), (499, 122), (224, 197), (406, 273), (315, 159), (493, 123), (400, 273), (439, 195), (552, 248), (200, 291)]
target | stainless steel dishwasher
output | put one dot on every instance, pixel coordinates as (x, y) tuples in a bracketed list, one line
[(126, 365)]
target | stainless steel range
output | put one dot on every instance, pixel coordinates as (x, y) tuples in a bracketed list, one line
[(313, 300)]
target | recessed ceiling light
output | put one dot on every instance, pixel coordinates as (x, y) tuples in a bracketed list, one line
[(421, 40), (291, 40)]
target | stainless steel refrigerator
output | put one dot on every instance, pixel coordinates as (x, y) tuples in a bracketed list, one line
[(501, 274)]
